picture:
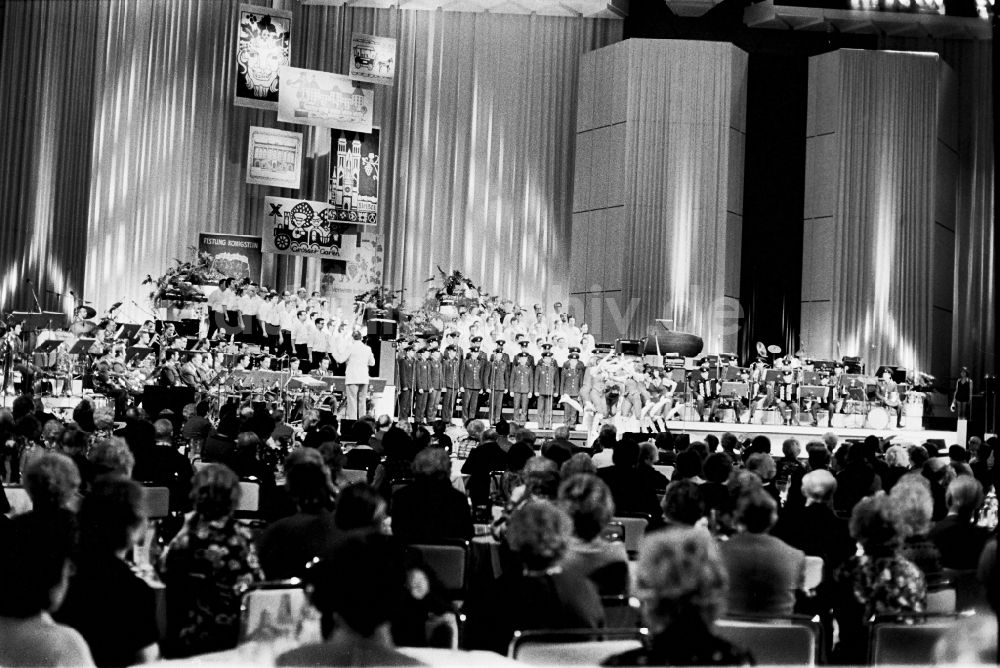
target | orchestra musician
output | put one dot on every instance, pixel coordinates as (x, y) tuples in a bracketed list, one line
[(82, 324), (887, 393)]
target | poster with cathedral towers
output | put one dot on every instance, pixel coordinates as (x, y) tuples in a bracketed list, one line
[(354, 176)]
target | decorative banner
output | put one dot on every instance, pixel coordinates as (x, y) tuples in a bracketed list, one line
[(329, 100), (301, 227), (358, 270), (263, 46), (373, 59), (354, 176), (274, 158), (232, 255)]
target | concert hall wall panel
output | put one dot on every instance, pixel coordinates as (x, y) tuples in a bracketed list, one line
[(682, 165), (126, 140), (872, 130)]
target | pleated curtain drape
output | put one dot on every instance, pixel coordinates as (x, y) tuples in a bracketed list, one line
[(884, 216), (125, 142)]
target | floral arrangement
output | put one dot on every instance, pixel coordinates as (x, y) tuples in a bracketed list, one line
[(179, 283)]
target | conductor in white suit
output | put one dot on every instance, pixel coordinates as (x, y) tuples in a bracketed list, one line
[(358, 358)]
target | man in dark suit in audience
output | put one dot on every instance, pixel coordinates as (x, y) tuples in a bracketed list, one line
[(429, 509), (486, 457), (815, 529), (632, 494), (957, 537), (764, 571)]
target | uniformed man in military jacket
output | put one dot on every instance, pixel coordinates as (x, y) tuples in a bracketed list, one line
[(422, 384), (437, 383), (451, 381), (406, 366), (473, 378), (546, 385), (497, 377), (522, 384), (570, 380)]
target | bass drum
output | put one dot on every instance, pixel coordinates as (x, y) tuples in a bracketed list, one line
[(838, 421), (878, 418), (727, 415), (771, 416)]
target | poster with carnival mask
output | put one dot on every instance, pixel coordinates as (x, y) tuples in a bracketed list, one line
[(263, 46)]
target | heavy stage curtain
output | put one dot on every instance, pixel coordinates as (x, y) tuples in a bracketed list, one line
[(122, 114)]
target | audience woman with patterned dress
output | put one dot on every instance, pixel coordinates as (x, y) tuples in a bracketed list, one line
[(206, 566), (877, 581)]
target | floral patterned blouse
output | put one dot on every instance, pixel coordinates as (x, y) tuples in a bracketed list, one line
[(884, 585), (206, 567)]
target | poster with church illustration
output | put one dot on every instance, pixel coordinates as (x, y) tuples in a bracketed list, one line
[(263, 46), (354, 176), (274, 158)]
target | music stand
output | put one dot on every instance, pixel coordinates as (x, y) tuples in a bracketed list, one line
[(127, 331), (46, 347), (817, 392), (731, 373), (774, 376), (82, 346), (136, 354), (43, 320), (741, 390)]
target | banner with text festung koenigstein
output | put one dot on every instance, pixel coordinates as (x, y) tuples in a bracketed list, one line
[(232, 256), (302, 227)]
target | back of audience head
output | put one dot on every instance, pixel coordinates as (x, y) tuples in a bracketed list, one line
[(383, 422), (626, 454), (215, 492), (561, 432), (681, 578), (432, 464), (817, 455), (718, 467), (163, 429), (665, 441), (682, 502), (541, 478), (581, 462), (397, 444), (756, 511), (518, 456), (712, 443), (360, 506), (763, 465), (818, 486), (700, 448), (111, 516), (307, 480), (729, 442), (372, 591), (248, 444), (874, 525), (52, 481), (688, 465), (918, 456), (958, 454), (475, 429), (897, 456), (538, 532), (759, 444), (841, 456), (791, 448), (648, 454), (52, 432), (831, 441), (588, 502), (34, 564), (964, 496), (421, 438)]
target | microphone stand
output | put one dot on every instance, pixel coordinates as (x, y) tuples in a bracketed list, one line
[(35, 296)]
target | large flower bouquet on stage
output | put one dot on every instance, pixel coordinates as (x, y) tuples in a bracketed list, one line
[(178, 286)]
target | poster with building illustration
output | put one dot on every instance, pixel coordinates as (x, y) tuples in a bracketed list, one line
[(301, 227), (274, 158), (373, 59), (263, 45), (308, 97), (357, 270), (354, 176)]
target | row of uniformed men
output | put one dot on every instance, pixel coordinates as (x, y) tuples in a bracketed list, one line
[(425, 376)]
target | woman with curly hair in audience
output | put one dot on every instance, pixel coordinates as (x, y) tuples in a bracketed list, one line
[(878, 581), (206, 567), (914, 506), (682, 584), (587, 500)]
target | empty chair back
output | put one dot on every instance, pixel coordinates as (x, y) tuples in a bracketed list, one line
[(573, 647), (774, 641), (278, 612), (907, 639), (18, 499), (157, 500), (449, 562), (249, 497), (634, 528)]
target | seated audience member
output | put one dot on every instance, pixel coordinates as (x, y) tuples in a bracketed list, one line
[(286, 546), (763, 466), (897, 461), (688, 467), (111, 457), (580, 462), (683, 504), (631, 494), (878, 581), (939, 473), (440, 438), (398, 463), (603, 447), (382, 425), (172, 469), (107, 603), (913, 508), (220, 446), (980, 461), (334, 458), (246, 464), (359, 506), (543, 595), (474, 431), (34, 575), (918, 457), (764, 571), (789, 464), (206, 567), (357, 589), (587, 501), (665, 447), (197, 427), (856, 480), (648, 456), (483, 459), (53, 483), (958, 539), (818, 459), (429, 509), (518, 456), (815, 529), (714, 493), (73, 444), (362, 457), (682, 583)]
